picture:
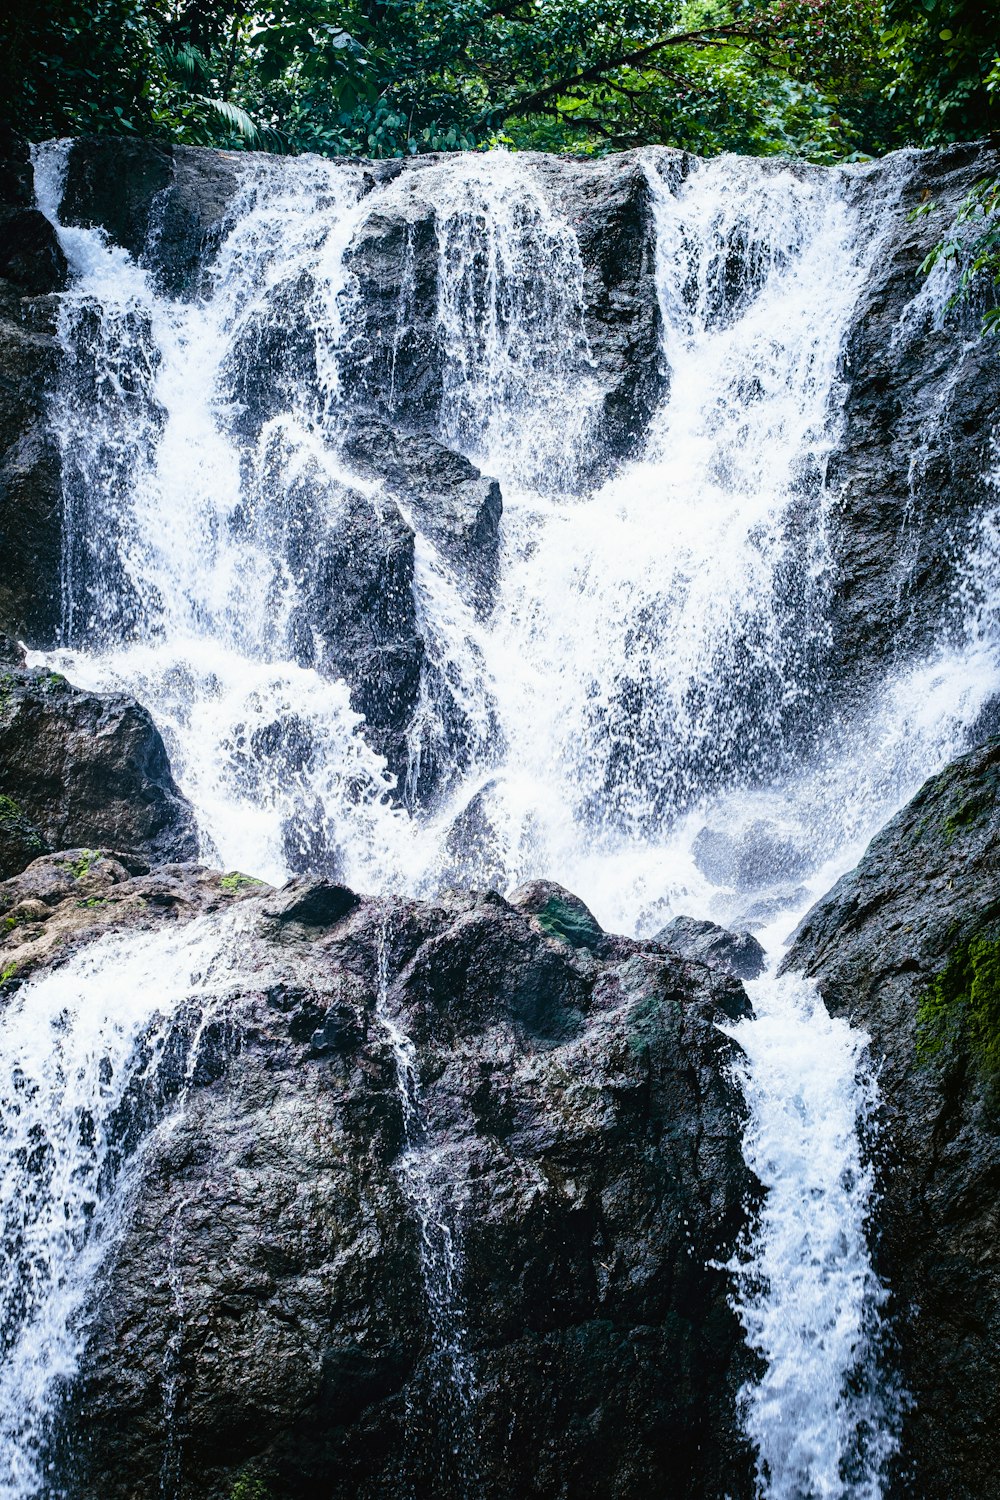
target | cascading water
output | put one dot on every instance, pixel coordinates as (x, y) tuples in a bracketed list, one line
[(82, 1053), (644, 709)]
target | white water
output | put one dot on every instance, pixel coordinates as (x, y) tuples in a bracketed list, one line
[(643, 707), (80, 1052)]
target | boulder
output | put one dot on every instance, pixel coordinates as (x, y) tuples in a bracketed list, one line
[(736, 953), (358, 616), (84, 769), (438, 1207), (907, 947), (457, 507), (63, 901), (607, 202)]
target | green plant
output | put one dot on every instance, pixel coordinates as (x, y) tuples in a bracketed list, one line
[(961, 1006), (7, 973)]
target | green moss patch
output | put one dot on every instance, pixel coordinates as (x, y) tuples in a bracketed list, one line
[(961, 1007), (237, 881), (569, 923), (85, 862)]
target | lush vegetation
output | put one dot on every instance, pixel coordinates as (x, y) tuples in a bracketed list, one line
[(824, 79)]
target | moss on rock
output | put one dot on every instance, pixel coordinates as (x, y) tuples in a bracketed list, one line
[(961, 1007)]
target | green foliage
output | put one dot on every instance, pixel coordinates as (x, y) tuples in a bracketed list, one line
[(961, 1007), (973, 249), (823, 79), (943, 58), (7, 973)]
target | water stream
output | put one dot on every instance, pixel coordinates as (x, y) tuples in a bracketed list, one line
[(643, 708)]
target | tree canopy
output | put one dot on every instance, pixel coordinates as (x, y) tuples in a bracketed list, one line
[(821, 79)]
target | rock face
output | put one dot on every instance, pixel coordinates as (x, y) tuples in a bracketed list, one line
[(736, 953), (566, 1112), (83, 769), (908, 947), (454, 504), (910, 473), (32, 267)]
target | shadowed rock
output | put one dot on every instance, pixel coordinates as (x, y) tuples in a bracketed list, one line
[(580, 1137), (84, 769)]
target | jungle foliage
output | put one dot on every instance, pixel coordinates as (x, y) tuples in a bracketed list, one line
[(823, 79)]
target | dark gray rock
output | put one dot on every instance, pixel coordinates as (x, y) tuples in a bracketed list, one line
[(164, 204), (110, 184), (559, 913), (736, 953), (357, 584), (607, 203), (32, 267), (920, 917), (86, 769), (472, 849), (910, 472), (31, 258), (452, 502), (582, 1143)]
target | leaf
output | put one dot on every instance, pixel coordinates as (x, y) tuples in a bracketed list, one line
[(236, 118)]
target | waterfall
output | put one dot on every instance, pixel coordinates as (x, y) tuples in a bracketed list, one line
[(646, 710), (86, 1066)]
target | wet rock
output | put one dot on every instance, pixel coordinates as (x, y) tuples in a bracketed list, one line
[(473, 853), (31, 258), (907, 946), (110, 184), (88, 769), (164, 204), (357, 583), (32, 267), (608, 205), (581, 1140), (559, 913), (736, 953), (910, 474), (61, 901), (450, 500), (314, 903)]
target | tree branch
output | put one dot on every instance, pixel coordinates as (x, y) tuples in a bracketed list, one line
[(530, 103)]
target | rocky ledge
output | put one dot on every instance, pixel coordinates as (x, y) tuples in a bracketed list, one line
[(568, 1133), (908, 947), (82, 770)]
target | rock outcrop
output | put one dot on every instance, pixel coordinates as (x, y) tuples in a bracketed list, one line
[(85, 770), (455, 505), (910, 474), (276, 1311), (32, 268), (736, 953), (908, 947)]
